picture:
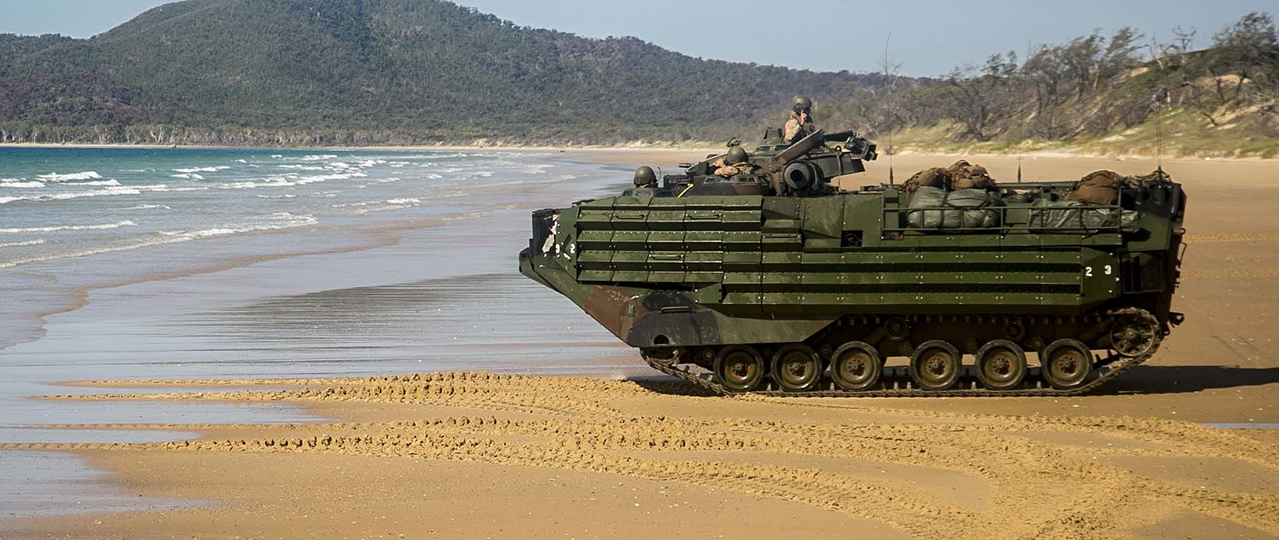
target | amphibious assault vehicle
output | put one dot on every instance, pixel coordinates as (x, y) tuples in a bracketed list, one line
[(776, 281)]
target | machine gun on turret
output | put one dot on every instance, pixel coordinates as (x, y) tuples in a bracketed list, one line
[(802, 169)]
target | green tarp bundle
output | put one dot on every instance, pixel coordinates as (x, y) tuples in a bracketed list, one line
[(1048, 215), (936, 208)]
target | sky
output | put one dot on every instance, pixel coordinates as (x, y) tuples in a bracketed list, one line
[(928, 37)]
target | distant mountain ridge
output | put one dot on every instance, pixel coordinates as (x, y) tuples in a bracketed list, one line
[(334, 72)]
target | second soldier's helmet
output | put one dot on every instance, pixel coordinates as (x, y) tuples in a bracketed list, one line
[(644, 176), (801, 103), (736, 155)]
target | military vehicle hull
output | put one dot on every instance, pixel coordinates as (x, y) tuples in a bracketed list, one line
[(814, 294), (761, 271)]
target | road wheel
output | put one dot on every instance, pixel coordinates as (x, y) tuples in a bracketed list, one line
[(935, 365), (797, 368), (1001, 365), (739, 368), (1066, 364), (856, 366)]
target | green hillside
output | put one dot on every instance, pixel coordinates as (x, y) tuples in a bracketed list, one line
[(400, 72), (376, 71)]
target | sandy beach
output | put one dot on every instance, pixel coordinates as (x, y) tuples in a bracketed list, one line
[(483, 445)]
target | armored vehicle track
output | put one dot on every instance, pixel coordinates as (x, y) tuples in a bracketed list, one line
[(897, 382)]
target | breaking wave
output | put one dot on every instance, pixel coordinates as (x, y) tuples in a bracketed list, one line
[(35, 242), (14, 183), (73, 195), (201, 169), (59, 228), (282, 220), (112, 182), (55, 177)]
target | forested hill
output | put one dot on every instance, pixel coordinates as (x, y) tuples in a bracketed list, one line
[(338, 72)]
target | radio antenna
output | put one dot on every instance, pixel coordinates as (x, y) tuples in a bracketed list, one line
[(1162, 94), (1021, 126), (889, 73), (1159, 126)]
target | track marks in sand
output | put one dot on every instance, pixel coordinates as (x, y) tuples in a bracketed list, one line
[(1262, 273), (1222, 238), (1035, 487)]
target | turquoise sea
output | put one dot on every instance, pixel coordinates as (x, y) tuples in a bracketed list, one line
[(187, 264)]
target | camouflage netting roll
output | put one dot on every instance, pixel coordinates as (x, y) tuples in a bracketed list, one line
[(964, 175), (1102, 187), (1098, 188), (959, 176), (935, 177), (966, 209)]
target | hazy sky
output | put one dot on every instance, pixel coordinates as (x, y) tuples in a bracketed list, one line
[(928, 36)]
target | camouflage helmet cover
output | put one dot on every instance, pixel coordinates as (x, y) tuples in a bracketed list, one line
[(644, 176), (801, 103)]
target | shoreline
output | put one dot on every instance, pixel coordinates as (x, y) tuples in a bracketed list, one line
[(625, 150), (380, 148)]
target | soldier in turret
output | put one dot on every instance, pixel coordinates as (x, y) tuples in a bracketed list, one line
[(800, 124), (736, 162), (645, 183)]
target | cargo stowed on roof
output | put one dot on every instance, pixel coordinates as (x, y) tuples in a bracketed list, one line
[(774, 280)]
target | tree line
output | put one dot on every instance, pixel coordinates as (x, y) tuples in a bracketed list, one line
[(1091, 86)]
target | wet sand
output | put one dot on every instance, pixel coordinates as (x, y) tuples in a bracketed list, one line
[(480, 455)]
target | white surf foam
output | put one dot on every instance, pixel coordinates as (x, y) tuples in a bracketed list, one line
[(201, 169), (278, 221), (55, 177), (73, 195), (59, 228), (149, 207), (24, 185), (278, 181), (111, 182), (36, 242), (326, 177), (187, 176), (282, 220)]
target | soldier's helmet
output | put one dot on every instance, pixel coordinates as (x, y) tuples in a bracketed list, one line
[(801, 103), (736, 155), (644, 177)]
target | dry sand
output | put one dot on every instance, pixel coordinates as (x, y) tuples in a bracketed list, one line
[(500, 456)]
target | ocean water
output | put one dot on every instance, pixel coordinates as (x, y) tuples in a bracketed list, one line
[(192, 264)]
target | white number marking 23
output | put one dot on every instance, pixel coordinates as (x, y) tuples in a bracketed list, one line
[(1107, 269)]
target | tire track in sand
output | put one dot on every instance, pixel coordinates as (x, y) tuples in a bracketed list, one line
[(585, 427), (1222, 238)]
